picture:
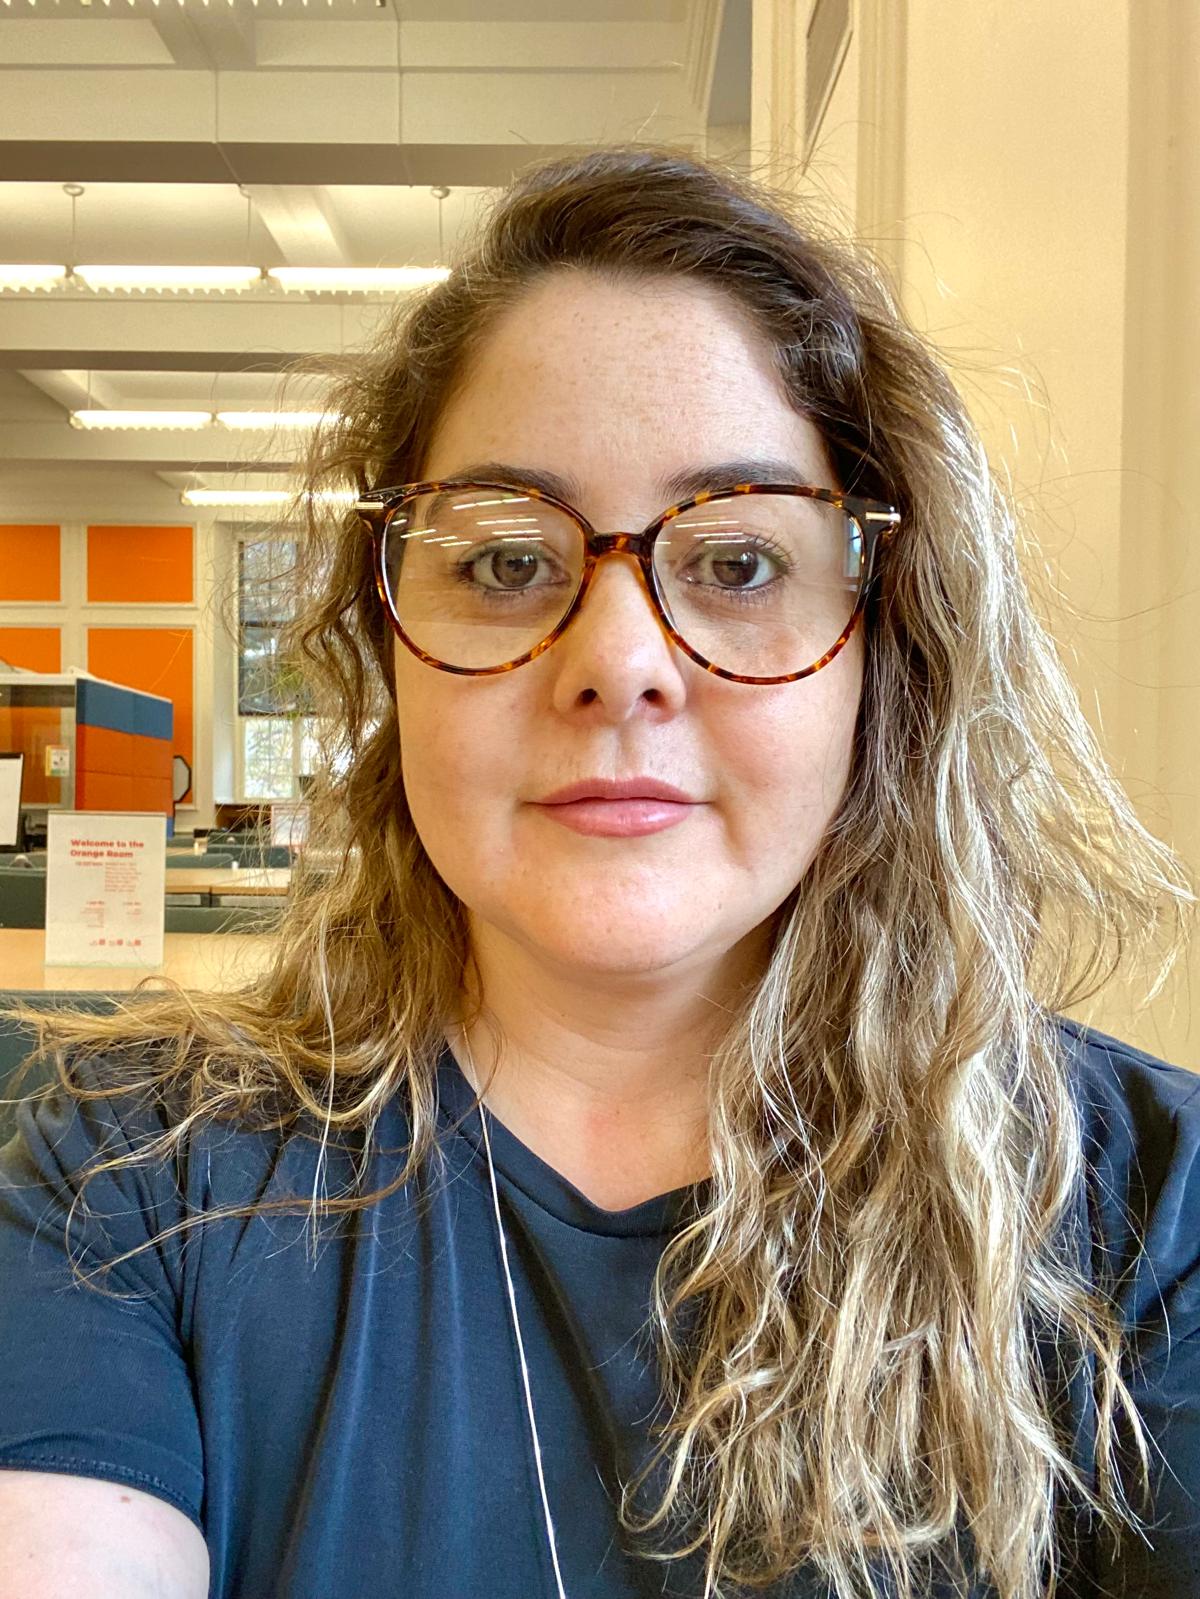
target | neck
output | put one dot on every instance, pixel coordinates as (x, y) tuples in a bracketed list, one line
[(605, 1077)]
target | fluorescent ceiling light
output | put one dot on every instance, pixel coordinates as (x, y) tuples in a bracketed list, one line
[(361, 280), (261, 497), (140, 279), (31, 277), (235, 496), (276, 419), (169, 279), (244, 420), (141, 419)]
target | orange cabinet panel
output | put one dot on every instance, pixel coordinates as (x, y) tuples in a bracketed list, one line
[(105, 791), (100, 749), (157, 660)]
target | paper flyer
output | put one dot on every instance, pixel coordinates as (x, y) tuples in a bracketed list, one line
[(105, 888)]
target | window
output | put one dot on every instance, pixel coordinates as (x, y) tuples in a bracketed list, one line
[(277, 743)]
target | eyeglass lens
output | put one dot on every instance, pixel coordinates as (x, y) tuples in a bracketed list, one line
[(761, 585)]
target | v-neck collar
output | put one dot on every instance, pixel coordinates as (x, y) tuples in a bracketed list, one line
[(547, 1188)]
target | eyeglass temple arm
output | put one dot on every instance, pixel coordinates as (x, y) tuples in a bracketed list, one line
[(890, 520), (369, 504)]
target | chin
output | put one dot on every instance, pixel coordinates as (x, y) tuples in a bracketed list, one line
[(626, 945)]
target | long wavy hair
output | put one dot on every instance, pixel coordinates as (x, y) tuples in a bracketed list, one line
[(845, 1327)]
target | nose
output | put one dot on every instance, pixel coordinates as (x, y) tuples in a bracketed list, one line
[(616, 653)]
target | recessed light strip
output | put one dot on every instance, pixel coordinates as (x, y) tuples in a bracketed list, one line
[(141, 419), (241, 421), (17, 276), (276, 419), (262, 497), (219, 279), (235, 497), (167, 279), (361, 280)]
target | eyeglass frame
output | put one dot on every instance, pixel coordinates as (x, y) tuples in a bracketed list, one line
[(876, 521)]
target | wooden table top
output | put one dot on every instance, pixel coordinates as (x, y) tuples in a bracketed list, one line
[(228, 880), (197, 960)]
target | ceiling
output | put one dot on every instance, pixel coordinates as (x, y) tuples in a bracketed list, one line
[(288, 133)]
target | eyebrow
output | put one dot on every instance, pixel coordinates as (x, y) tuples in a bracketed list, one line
[(680, 485)]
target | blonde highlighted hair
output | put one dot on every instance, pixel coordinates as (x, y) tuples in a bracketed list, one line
[(846, 1328)]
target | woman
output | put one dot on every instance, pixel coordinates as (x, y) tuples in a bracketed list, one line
[(741, 862)]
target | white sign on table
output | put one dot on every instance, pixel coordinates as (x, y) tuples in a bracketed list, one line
[(289, 823), (105, 887)]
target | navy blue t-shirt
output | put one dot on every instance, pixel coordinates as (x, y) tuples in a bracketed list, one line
[(356, 1426)]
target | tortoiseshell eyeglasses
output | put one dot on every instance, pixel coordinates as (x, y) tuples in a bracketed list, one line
[(756, 582)]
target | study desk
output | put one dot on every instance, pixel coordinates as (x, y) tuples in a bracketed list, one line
[(225, 880), (196, 960)]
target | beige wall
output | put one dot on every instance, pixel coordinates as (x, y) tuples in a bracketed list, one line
[(1031, 173)]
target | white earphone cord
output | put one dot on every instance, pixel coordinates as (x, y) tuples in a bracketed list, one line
[(516, 1321)]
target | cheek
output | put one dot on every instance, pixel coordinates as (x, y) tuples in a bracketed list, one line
[(434, 751), (427, 737), (453, 753), (791, 750)]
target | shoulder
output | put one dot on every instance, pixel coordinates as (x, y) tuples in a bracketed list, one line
[(1140, 1114), (1122, 1087), (1140, 1118)]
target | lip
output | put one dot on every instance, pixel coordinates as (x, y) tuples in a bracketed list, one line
[(619, 818), (626, 808), (630, 788)]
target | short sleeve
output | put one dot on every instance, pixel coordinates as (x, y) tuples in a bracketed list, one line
[(1148, 1204), (93, 1385)]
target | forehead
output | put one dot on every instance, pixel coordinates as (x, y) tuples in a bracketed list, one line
[(609, 374)]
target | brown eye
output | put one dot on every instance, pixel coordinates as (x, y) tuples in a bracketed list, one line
[(510, 568)]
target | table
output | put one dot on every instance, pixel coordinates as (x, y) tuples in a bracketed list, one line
[(227, 880), (197, 960)]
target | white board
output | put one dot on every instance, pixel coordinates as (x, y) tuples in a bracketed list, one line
[(105, 888), (11, 769)]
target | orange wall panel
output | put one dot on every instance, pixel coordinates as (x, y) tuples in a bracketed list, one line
[(37, 649), (29, 561), (158, 660), (30, 728), (139, 565)]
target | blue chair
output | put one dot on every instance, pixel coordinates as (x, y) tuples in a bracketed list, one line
[(223, 837), (265, 855), (251, 850), (240, 918), (205, 863)]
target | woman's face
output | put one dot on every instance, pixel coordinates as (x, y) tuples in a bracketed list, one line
[(615, 388)]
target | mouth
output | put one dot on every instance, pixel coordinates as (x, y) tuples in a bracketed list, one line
[(624, 817)]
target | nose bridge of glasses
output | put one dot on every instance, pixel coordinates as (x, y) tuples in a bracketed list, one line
[(617, 544), (636, 547)]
